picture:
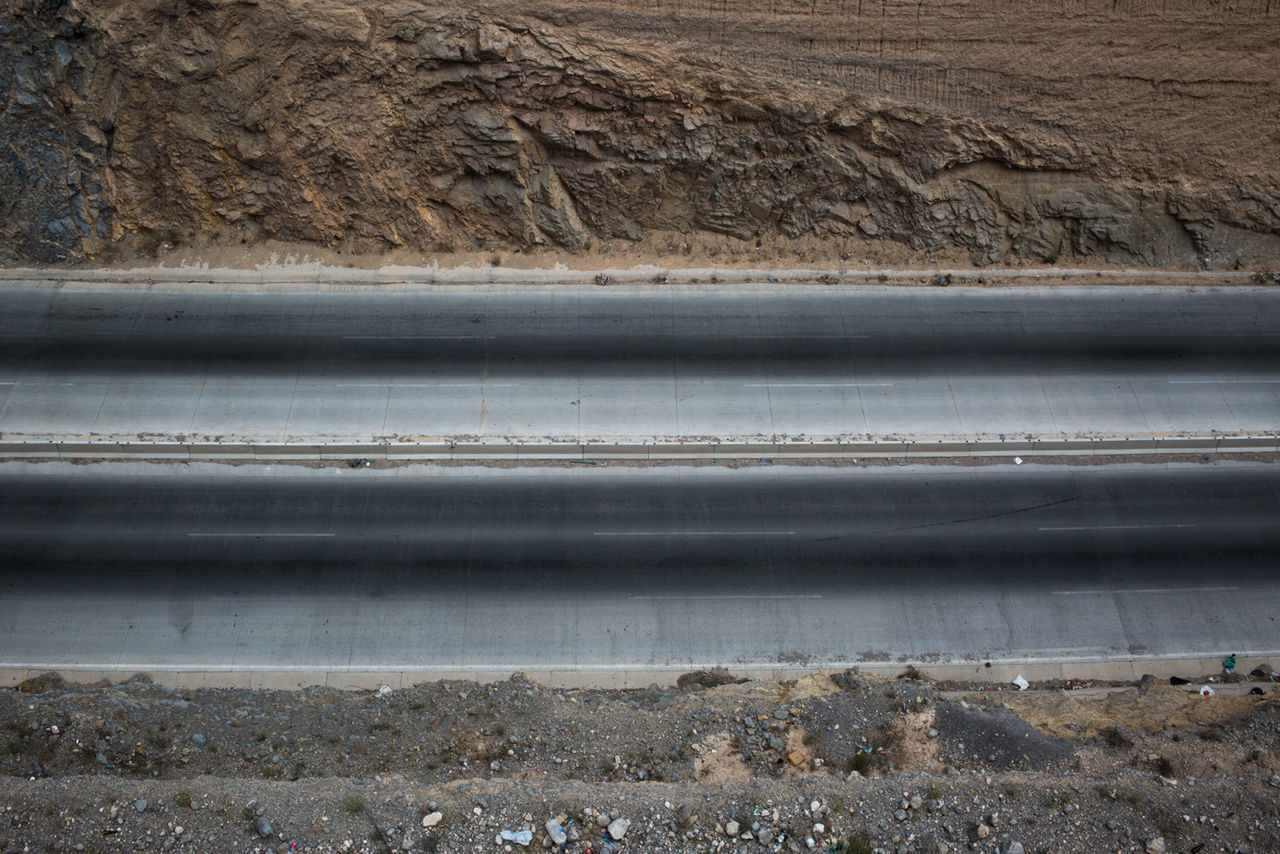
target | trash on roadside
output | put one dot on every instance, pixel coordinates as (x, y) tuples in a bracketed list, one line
[(1206, 691), (1017, 461), (384, 690), (1256, 690), (1021, 683), (519, 837), (556, 832), (1178, 680), (796, 758), (1229, 664)]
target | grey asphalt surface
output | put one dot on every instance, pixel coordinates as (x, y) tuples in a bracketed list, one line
[(680, 567), (542, 362)]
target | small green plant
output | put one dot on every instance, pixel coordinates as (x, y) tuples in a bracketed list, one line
[(933, 793), (1011, 791), (260, 735), (248, 814), (856, 843), (860, 762), (1055, 799), (183, 798), (353, 802)]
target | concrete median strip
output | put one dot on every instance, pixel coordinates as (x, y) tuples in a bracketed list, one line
[(631, 449)]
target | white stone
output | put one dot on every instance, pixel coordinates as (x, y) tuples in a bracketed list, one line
[(432, 819), (618, 828)]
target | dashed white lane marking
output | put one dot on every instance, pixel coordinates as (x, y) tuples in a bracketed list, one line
[(692, 533), (255, 535), (1143, 590), (719, 596), (1115, 527), (415, 337), (817, 385)]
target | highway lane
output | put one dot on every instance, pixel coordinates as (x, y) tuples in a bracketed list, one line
[(653, 568), (637, 362)]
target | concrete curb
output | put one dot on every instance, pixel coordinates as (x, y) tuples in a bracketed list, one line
[(995, 673), (605, 449), (320, 275)]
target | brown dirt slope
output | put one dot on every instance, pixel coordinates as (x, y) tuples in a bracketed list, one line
[(849, 761), (1139, 131)]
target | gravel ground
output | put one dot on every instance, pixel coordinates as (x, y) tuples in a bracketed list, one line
[(836, 762)]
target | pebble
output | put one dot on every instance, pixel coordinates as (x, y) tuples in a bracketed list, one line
[(731, 828), (1155, 845), (1014, 848), (431, 819), (618, 828), (983, 831), (140, 805), (263, 826), (199, 740)]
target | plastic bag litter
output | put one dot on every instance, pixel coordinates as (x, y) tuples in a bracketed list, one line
[(1021, 683), (1206, 691), (519, 837)]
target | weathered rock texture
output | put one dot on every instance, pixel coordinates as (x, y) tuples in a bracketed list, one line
[(1142, 131)]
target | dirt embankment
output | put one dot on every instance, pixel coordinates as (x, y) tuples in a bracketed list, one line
[(1136, 131), (830, 762)]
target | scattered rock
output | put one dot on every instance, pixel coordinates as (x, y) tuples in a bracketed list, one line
[(263, 826), (1155, 845), (431, 819), (618, 828)]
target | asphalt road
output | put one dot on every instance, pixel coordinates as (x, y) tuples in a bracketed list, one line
[(655, 568), (568, 362)]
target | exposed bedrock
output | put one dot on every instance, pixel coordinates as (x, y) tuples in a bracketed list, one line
[(406, 125)]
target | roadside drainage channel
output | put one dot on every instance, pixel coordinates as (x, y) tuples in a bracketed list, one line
[(692, 450)]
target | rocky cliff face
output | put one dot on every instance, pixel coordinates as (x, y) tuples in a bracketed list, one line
[(395, 124)]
